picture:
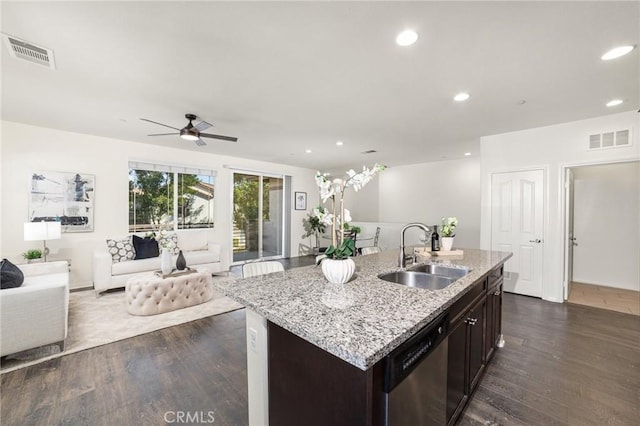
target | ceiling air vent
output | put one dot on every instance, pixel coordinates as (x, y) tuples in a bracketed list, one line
[(29, 52), (610, 139), (369, 151)]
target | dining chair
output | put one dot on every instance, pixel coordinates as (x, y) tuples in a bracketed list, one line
[(261, 268)]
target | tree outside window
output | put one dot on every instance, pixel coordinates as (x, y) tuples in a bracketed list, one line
[(153, 198)]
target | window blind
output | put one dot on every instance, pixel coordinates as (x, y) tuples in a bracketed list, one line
[(170, 168)]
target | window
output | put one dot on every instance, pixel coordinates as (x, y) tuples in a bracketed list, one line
[(171, 196)]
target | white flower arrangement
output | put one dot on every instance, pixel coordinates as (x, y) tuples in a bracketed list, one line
[(335, 188), (448, 226)]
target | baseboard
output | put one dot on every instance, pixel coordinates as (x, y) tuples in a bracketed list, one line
[(581, 281)]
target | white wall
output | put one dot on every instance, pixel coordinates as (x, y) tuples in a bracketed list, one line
[(27, 148), (607, 225), (551, 148), (428, 191)]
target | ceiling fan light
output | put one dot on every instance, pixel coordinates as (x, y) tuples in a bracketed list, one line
[(189, 134)]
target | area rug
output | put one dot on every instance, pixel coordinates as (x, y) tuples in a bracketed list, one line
[(96, 321)]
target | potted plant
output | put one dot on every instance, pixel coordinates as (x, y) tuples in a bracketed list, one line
[(316, 224), (33, 255), (447, 232), (337, 265)]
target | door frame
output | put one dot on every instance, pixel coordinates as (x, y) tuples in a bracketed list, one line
[(564, 213), (545, 210), (285, 212)]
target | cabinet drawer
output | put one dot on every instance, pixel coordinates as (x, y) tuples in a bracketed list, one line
[(495, 275), (460, 307)]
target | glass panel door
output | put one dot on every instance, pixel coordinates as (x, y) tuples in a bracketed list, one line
[(258, 206), (272, 208)]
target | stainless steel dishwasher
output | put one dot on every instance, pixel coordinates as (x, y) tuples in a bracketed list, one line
[(416, 379)]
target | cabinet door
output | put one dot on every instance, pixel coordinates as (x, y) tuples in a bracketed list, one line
[(476, 324), (456, 370)]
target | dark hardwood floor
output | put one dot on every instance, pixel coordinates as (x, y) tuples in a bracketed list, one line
[(562, 364)]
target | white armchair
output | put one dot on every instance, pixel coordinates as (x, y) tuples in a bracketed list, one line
[(36, 313)]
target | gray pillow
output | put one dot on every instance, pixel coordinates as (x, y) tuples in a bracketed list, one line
[(121, 250), (10, 275)]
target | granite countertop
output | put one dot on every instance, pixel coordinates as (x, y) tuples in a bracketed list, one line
[(363, 320)]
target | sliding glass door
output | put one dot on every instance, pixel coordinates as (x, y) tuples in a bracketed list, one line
[(258, 216)]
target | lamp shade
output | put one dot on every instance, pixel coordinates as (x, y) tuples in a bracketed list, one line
[(34, 231)]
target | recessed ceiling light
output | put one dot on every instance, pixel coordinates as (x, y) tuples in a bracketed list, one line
[(308, 151), (461, 97), (406, 38), (467, 154), (339, 143), (614, 102), (616, 52)]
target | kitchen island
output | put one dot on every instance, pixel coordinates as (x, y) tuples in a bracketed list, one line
[(316, 351)]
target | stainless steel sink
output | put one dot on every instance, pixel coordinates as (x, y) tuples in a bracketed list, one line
[(418, 279), (445, 271)]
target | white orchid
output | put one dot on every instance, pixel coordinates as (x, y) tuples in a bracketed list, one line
[(326, 188), (334, 189), (323, 215), (347, 217)]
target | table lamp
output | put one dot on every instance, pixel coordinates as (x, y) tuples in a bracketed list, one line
[(44, 231)]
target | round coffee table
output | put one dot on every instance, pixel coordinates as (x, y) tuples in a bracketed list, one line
[(151, 294)]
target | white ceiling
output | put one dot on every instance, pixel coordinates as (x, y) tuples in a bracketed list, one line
[(289, 76)]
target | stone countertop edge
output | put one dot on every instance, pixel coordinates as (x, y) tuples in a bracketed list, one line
[(364, 320)]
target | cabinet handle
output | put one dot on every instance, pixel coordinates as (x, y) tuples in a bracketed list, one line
[(472, 321), (497, 293)]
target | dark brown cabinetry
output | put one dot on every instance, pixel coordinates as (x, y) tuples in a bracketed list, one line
[(494, 312), (466, 358), (310, 386)]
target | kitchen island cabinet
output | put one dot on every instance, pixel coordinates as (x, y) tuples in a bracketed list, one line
[(328, 347)]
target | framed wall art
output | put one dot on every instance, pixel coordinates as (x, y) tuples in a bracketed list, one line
[(301, 200), (62, 197)]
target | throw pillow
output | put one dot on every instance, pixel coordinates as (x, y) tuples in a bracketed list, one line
[(170, 241), (121, 250), (145, 247), (10, 275)]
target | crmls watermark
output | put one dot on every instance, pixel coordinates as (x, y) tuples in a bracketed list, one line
[(190, 417)]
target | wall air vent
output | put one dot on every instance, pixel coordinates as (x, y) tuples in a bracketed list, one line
[(29, 52), (369, 151), (608, 140)]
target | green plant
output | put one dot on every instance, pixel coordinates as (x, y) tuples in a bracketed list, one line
[(314, 225), (32, 254), (342, 251), (448, 227)]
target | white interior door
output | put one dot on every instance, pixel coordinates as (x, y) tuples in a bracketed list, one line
[(569, 238), (517, 206)]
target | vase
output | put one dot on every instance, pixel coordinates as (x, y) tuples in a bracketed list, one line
[(181, 262), (165, 261), (338, 271), (446, 243)]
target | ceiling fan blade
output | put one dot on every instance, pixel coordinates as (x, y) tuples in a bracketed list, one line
[(155, 122), (224, 138), (200, 142), (163, 134), (203, 125)]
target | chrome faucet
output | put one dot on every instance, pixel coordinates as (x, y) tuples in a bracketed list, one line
[(403, 257)]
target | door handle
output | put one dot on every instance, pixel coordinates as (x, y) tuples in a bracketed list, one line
[(574, 244), (537, 241)]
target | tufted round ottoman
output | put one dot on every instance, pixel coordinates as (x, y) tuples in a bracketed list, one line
[(150, 294)]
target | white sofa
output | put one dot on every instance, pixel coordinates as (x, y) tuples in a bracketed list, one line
[(36, 313), (197, 248)]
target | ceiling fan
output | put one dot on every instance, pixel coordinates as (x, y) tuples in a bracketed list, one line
[(191, 132)]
